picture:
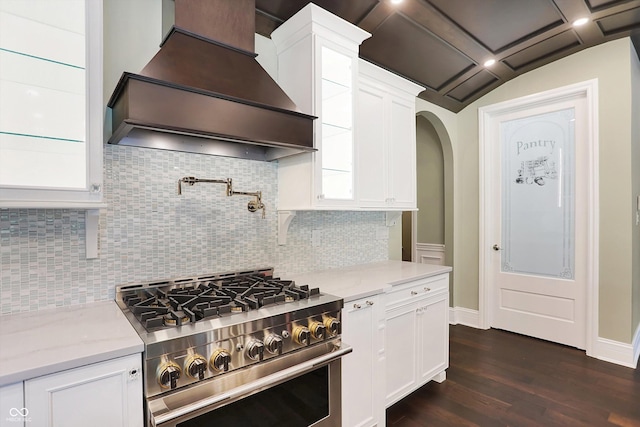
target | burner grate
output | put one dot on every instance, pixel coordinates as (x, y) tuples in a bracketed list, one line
[(186, 301)]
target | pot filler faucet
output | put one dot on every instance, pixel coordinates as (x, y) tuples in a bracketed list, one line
[(252, 206)]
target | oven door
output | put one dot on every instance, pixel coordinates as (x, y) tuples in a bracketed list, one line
[(291, 391)]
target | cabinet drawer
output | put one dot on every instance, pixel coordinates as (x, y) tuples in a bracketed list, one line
[(408, 292)]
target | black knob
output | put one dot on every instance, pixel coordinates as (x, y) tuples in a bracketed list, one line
[(318, 330), (255, 350), (197, 367), (169, 375), (333, 325), (301, 335), (273, 344), (220, 360), (173, 376)]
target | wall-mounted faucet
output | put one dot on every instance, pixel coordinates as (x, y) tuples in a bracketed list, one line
[(252, 206)]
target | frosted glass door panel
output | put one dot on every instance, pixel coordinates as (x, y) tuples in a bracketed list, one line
[(336, 116), (538, 186), (43, 94)]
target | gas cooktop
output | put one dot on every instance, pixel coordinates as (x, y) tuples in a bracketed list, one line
[(177, 302), (198, 328)]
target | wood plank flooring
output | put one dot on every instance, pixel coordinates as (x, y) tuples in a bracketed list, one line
[(498, 378)]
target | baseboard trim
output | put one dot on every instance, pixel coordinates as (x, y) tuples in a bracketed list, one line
[(636, 346), (617, 352), (464, 316)]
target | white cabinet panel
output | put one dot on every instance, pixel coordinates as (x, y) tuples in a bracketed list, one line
[(385, 140), (13, 412), (433, 322), (107, 394), (372, 159), (362, 369), (401, 349), (402, 154)]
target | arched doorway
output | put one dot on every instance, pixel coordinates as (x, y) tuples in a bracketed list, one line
[(430, 230)]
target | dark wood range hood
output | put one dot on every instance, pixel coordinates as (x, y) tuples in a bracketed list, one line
[(204, 91)]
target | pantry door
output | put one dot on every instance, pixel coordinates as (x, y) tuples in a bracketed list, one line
[(537, 213)]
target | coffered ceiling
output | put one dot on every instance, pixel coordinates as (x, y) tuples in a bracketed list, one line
[(443, 44)]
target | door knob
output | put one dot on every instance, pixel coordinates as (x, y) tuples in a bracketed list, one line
[(496, 247)]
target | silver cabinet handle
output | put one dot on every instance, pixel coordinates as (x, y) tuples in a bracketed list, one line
[(414, 293), (359, 306), (427, 289)]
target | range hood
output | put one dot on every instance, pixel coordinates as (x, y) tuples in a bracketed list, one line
[(204, 92)]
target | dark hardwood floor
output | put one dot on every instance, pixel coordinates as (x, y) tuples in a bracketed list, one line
[(497, 378)]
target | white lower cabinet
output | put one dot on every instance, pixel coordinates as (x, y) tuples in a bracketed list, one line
[(433, 338), (12, 410), (362, 369), (400, 341), (417, 336), (105, 394)]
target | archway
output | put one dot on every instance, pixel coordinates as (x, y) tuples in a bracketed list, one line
[(432, 139)]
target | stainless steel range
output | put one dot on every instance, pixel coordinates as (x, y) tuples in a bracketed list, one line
[(229, 348)]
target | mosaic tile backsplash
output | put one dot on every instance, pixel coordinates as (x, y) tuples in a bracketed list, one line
[(148, 232)]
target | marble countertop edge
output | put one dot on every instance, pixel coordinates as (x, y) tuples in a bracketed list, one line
[(44, 342)]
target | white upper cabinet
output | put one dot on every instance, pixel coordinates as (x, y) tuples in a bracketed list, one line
[(386, 139), (365, 133), (51, 103), (318, 68)]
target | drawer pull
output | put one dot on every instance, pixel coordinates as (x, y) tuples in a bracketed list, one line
[(414, 293), (427, 289), (357, 306), (369, 302)]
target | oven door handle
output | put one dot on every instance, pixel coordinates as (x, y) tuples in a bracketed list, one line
[(253, 386)]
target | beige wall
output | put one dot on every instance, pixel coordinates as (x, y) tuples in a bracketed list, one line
[(395, 240), (610, 63), (430, 175)]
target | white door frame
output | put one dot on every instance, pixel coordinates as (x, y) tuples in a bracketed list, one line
[(589, 90)]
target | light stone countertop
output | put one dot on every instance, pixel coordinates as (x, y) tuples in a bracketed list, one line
[(43, 342), (48, 341), (360, 281)]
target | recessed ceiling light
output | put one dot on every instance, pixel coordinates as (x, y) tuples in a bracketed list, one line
[(396, 1), (489, 62), (579, 22)]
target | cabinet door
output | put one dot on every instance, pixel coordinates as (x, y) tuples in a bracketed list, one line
[(401, 351), (107, 394), (433, 321), (402, 154), (51, 104), (13, 413), (371, 146), (361, 371), (335, 158)]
